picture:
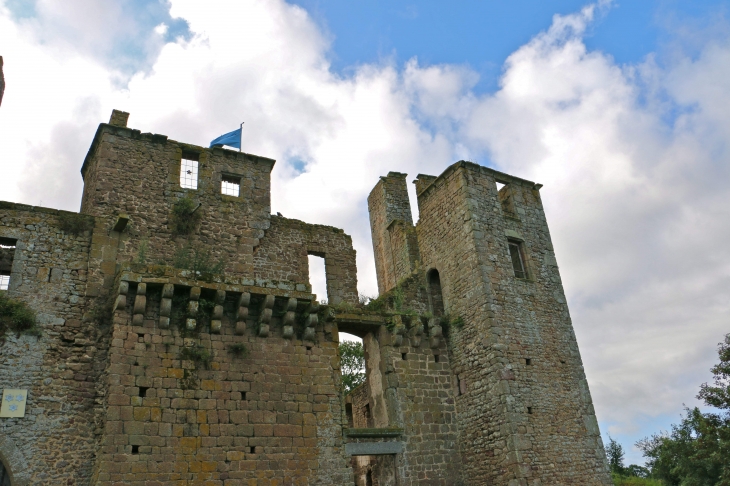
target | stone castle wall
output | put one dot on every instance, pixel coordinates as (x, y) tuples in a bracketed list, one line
[(150, 369)]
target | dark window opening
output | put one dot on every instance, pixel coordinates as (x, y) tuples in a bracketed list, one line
[(231, 186), (367, 411), (253, 450), (436, 358), (404, 356), (518, 258), (369, 479), (143, 391), (350, 417), (189, 171), (528, 361), (243, 395), (135, 449), (562, 361), (435, 295), (529, 410), (4, 475)]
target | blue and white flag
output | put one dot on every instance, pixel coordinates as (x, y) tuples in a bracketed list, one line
[(232, 139)]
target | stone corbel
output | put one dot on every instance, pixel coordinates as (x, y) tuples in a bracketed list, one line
[(215, 323), (435, 331), (242, 312), (140, 304), (121, 302), (311, 321), (288, 320), (399, 329), (166, 305), (415, 332), (193, 306), (267, 310)]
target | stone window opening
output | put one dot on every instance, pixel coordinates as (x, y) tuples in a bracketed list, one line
[(529, 410), (231, 185), (517, 255), (318, 275), (435, 295), (135, 449), (528, 361), (253, 449), (143, 391), (189, 171), (436, 358), (7, 255), (404, 356)]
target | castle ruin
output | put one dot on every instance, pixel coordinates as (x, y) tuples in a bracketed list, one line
[(180, 342)]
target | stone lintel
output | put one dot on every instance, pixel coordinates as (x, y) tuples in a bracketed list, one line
[(373, 448)]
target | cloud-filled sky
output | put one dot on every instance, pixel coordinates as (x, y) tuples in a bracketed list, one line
[(629, 139)]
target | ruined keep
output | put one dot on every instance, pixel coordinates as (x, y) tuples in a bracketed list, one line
[(179, 343)]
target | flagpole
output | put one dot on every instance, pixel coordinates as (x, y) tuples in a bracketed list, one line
[(241, 141)]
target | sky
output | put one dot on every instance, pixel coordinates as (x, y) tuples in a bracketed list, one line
[(620, 109)]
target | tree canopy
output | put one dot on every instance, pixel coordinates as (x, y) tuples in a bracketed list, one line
[(352, 363)]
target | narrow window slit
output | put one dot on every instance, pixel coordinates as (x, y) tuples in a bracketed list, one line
[(518, 259), (135, 449), (404, 356)]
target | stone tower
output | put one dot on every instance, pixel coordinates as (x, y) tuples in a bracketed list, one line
[(177, 340), (523, 409)]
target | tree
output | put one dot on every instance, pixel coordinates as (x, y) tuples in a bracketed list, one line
[(615, 455), (352, 362), (697, 451)]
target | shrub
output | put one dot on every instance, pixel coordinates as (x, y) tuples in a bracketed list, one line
[(198, 355), (16, 316), (184, 217)]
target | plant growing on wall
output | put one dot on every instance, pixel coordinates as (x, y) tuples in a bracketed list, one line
[(16, 316), (198, 260), (185, 216)]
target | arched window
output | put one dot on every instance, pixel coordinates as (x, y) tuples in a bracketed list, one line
[(435, 296)]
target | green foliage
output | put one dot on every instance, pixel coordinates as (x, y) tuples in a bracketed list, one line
[(142, 252), (198, 260), (197, 354), (376, 305), (185, 217), (615, 456), (75, 224), (238, 350), (397, 296), (619, 480), (352, 363), (696, 451), (16, 316)]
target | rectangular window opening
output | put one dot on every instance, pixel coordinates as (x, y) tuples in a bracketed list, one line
[(143, 391), (318, 275), (7, 254), (518, 259), (436, 358), (528, 361), (189, 171), (529, 410), (135, 449), (231, 186), (404, 356)]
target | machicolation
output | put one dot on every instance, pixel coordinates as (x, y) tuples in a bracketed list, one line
[(173, 337)]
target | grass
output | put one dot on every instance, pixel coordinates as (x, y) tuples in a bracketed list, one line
[(16, 316)]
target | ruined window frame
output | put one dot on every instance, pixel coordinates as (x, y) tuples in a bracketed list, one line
[(522, 273), (228, 181), (6, 275)]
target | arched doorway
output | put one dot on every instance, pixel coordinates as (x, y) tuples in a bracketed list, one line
[(4, 475)]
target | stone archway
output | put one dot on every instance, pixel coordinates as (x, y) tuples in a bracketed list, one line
[(14, 462)]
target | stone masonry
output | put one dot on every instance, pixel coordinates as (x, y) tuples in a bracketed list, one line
[(180, 342)]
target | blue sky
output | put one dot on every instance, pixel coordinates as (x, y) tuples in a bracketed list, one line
[(621, 110), (483, 33)]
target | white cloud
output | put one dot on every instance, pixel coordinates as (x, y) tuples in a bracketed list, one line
[(634, 159)]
